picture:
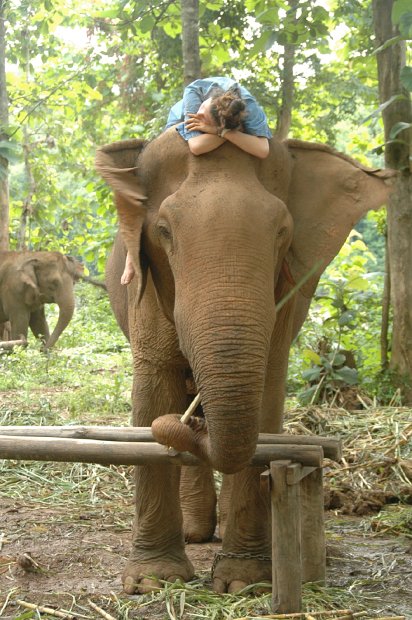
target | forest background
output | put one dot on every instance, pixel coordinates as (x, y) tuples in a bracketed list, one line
[(77, 75)]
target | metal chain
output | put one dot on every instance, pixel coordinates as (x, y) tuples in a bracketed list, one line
[(239, 556)]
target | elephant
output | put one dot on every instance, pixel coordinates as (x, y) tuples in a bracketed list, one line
[(28, 281), (217, 241)]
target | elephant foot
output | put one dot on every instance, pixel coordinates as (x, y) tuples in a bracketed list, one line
[(142, 576), (234, 571)]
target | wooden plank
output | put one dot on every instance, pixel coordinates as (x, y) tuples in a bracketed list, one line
[(132, 453), (332, 446), (313, 528), (286, 544)]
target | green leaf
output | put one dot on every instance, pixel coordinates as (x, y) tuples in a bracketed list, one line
[(399, 8), (339, 359), (383, 106), (311, 374), (306, 396), (312, 356), (406, 77), (348, 375), (346, 318), (146, 23), (397, 128)]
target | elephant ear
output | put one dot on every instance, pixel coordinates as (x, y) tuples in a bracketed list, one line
[(28, 280), (116, 163), (329, 192)]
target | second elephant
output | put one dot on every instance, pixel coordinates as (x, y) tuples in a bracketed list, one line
[(28, 281)]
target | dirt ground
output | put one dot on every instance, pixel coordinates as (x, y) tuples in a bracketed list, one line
[(53, 558)]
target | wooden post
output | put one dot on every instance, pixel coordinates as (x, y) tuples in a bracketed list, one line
[(286, 543), (313, 529)]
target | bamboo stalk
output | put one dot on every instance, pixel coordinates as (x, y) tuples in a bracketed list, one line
[(46, 610), (332, 446), (100, 611), (190, 410), (131, 453)]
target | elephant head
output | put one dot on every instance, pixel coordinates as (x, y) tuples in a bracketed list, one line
[(225, 236)]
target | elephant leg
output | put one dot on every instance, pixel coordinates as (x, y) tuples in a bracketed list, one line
[(19, 325), (158, 548), (246, 548), (198, 502), (224, 502), (38, 324), (157, 541)]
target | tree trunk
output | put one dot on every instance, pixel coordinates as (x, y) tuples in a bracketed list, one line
[(190, 40), (391, 60), (288, 84), (4, 121), (27, 209)]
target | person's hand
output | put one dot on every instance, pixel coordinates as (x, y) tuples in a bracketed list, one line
[(196, 122)]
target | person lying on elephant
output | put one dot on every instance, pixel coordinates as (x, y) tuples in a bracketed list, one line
[(217, 109), (212, 111)]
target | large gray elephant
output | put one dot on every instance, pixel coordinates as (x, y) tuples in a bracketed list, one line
[(28, 281), (216, 241)]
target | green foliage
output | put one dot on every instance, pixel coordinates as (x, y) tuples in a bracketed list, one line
[(345, 315)]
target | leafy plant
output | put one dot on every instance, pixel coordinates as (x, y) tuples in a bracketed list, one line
[(328, 374)]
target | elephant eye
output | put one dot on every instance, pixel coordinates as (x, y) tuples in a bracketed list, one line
[(164, 231), (282, 231)]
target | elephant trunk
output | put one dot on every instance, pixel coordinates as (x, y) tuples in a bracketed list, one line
[(230, 373), (65, 301), (231, 345)]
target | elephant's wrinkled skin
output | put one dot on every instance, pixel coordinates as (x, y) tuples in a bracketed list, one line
[(28, 281), (215, 247)]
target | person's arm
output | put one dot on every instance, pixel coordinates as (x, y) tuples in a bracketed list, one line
[(254, 145), (207, 141)]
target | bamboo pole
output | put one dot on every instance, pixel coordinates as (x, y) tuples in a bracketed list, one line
[(332, 446), (132, 453)]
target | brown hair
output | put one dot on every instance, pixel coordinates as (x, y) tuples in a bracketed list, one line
[(228, 108)]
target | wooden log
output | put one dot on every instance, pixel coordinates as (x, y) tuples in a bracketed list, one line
[(132, 453), (286, 544), (332, 446), (9, 344), (313, 527)]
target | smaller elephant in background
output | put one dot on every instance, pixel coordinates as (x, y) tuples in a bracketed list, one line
[(28, 281)]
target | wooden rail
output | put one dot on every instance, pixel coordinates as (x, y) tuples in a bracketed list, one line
[(332, 446)]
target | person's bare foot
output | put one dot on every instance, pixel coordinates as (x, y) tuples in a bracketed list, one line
[(128, 274)]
